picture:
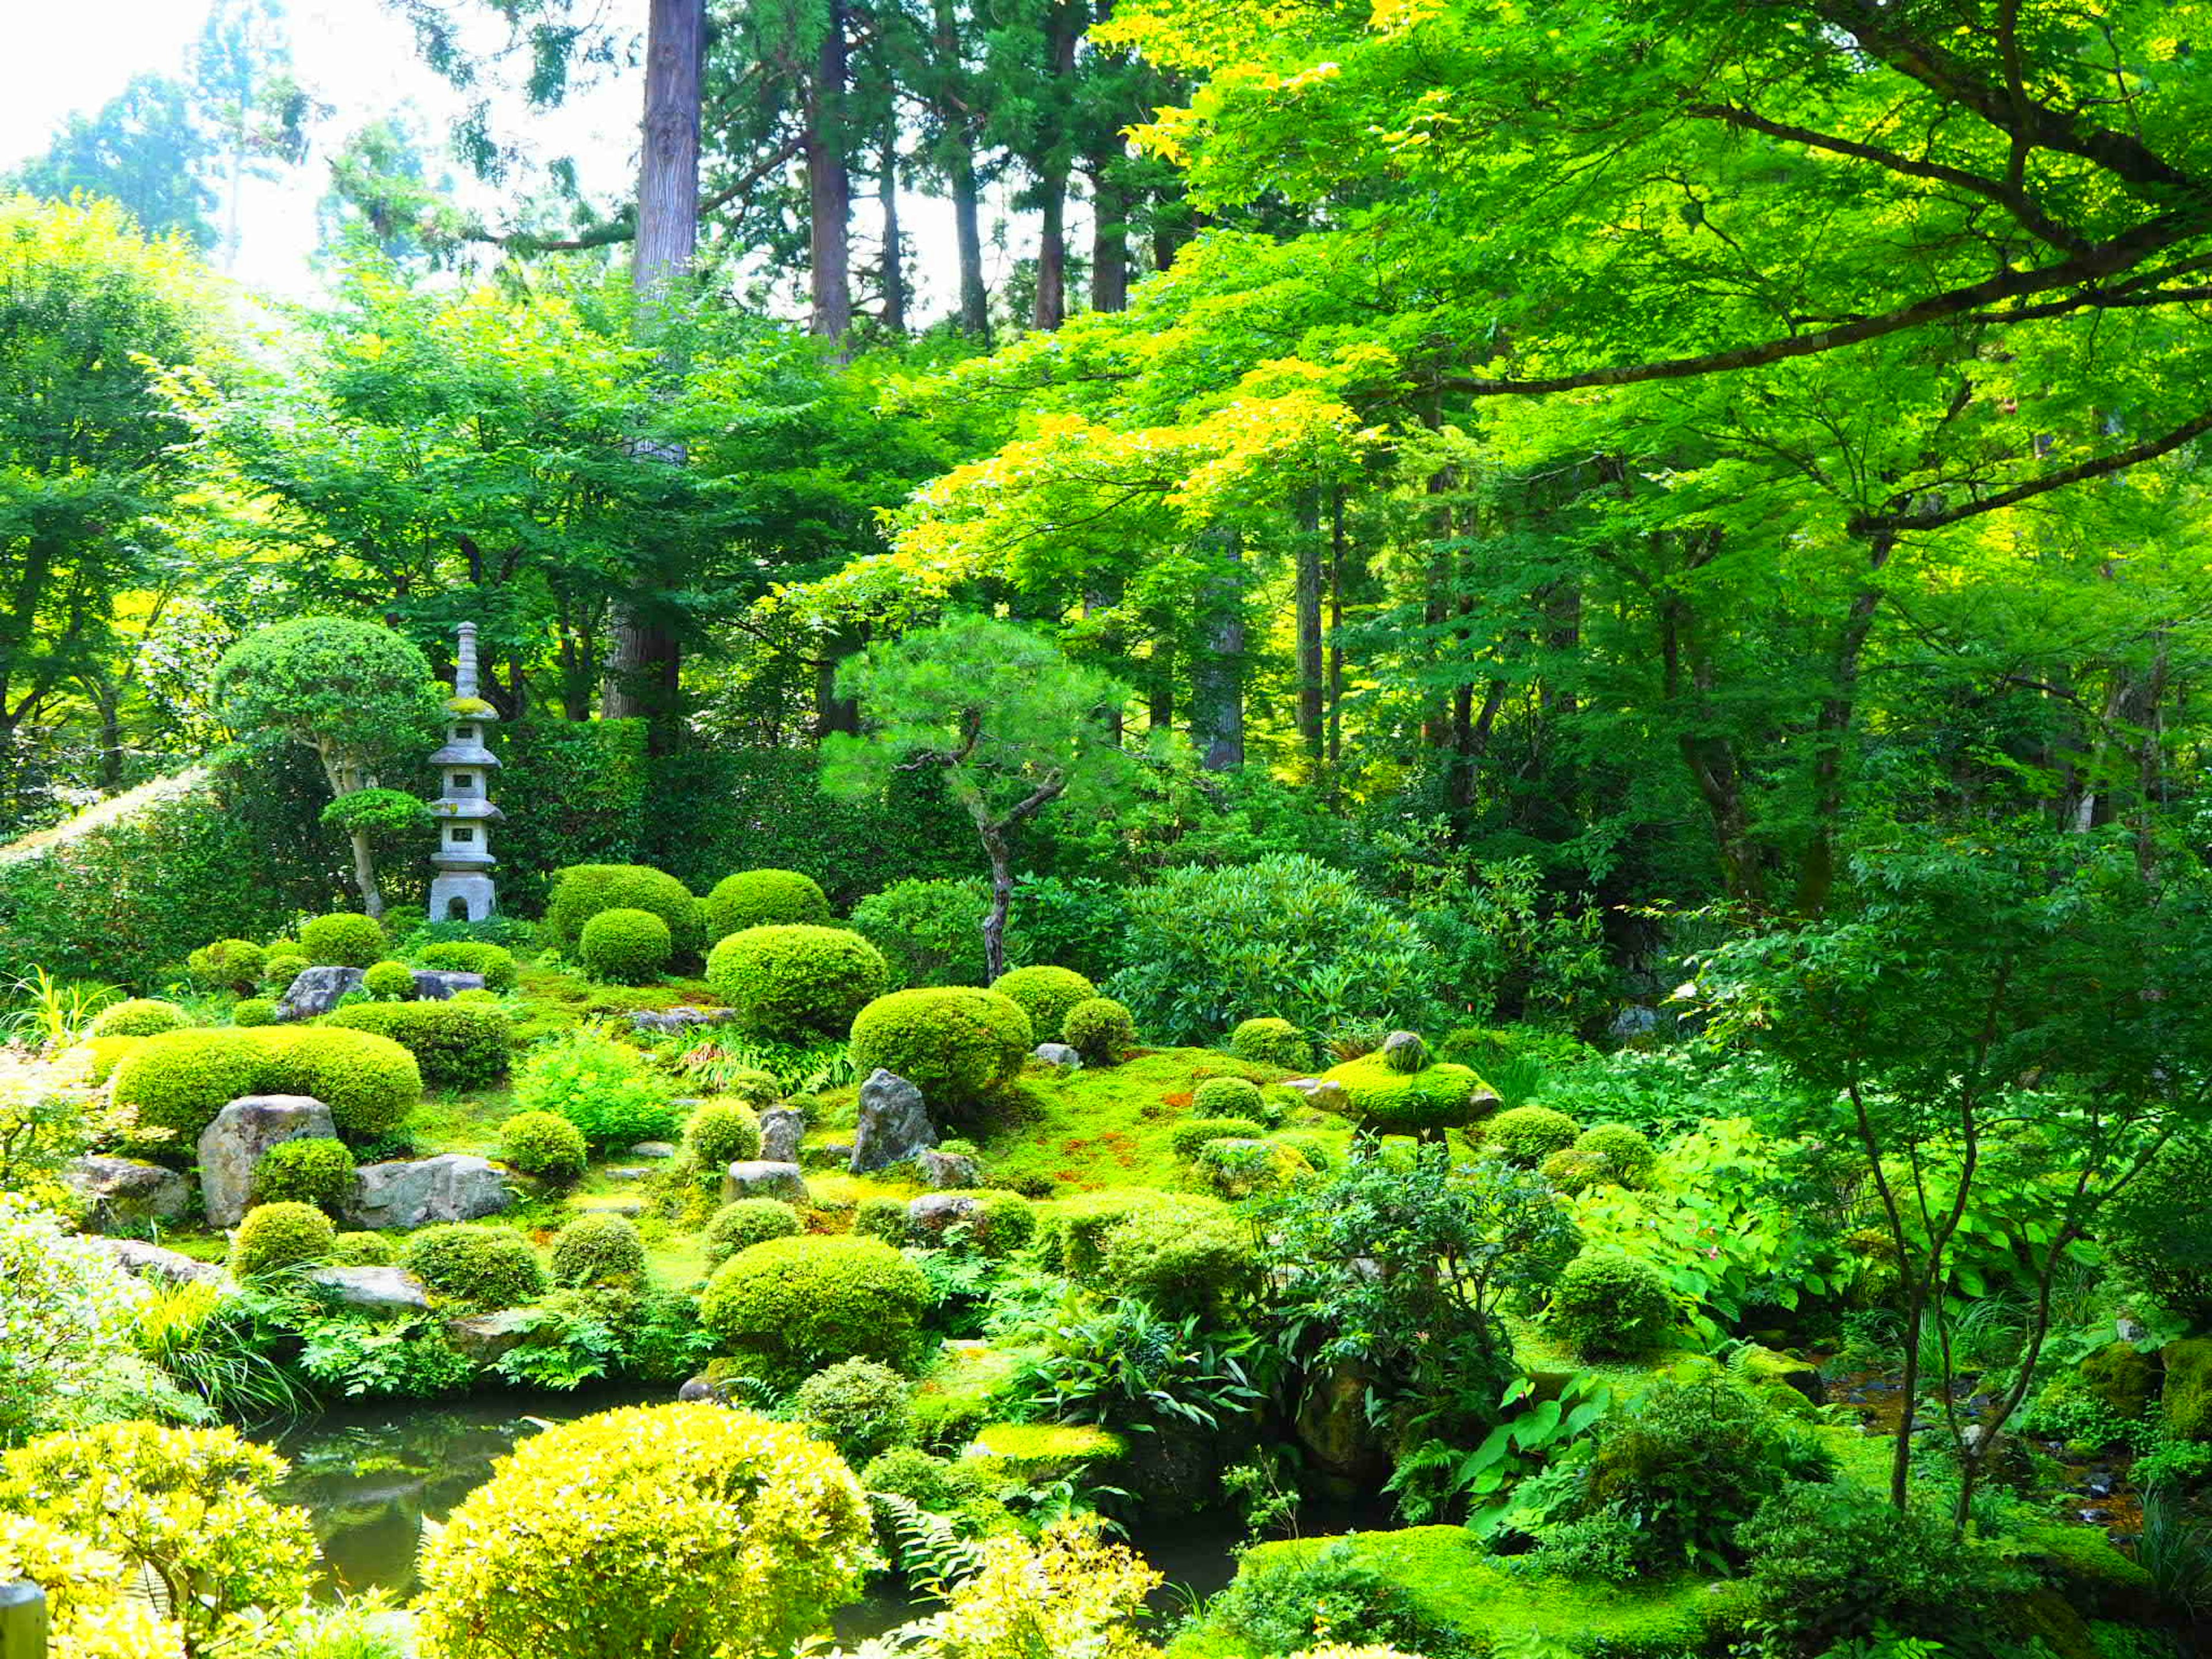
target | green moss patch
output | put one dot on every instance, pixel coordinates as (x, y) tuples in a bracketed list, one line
[(1046, 1451)]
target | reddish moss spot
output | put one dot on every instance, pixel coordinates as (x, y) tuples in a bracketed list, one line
[(1179, 1100)]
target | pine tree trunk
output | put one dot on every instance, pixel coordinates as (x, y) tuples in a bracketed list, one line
[(830, 186), (967, 235), (894, 267)]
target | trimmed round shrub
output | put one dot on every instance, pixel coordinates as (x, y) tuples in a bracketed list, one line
[(363, 1250), (1571, 1172), (745, 1222), (1527, 1135), (1180, 1254), (722, 1133), (457, 1044), (1004, 1222), (485, 1268), (1267, 1041), (390, 980), (232, 964), (369, 1082), (763, 898), (685, 1528), (1226, 1096), (282, 969), (179, 1080), (544, 1145), (795, 981), (253, 1010), (791, 1306), (312, 1169), (910, 1473), (1047, 995), (274, 1236), (138, 1017), (594, 1249), (1622, 1155), (605, 1089), (1394, 1103), (1100, 1029), (1608, 1306), (1187, 1136), (494, 962), (344, 938), (759, 1090), (957, 1044), (625, 946), (859, 1407), (584, 890)]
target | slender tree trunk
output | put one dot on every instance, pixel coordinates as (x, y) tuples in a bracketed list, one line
[(1002, 898), (968, 236), (1159, 699), (894, 250), (1217, 678), (1311, 687), (831, 711), (1109, 237), (364, 874), (830, 186), (1051, 308), (1335, 631), (1831, 732)]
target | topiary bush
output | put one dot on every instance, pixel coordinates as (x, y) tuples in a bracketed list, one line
[(363, 1250), (791, 1306), (1047, 995), (1100, 1029), (312, 1169), (648, 1530), (859, 1407), (179, 1080), (389, 981), (282, 969), (456, 1044), (544, 1145), (271, 1238), (719, 1133), (344, 938), (602, 1087), (1608, 1306), (482, 1268), (494, 962), (793, 982), (744, 1222), (1181, 1254), (1226, 1096), (763, 898), (929, 932), (625, 946), (1386, 1100), (253, 1010), (1619, 1154), (584, 890), (958, 1045), (1527, 1135), (138, 1017), (1187, 1137), (369, 1082), (596, 1250), (1267, 1041), (231, 965)]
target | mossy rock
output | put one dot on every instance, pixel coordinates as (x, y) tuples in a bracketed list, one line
[(1040, 1453), (1767, 1371), (2123, 1378), (1394, 1102), (2189, 1387), (2095, 1578)]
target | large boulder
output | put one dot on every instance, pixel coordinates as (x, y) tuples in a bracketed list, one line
[(1342, 1444), (894, 1124), (378, 1290), (488, 1338), (316, 991), (433, 986), (782, 1128), (934, 1214), (144, 1261), (410, 1193), (127, 1195), (669, 1022), (758, 1177), (232, 1145)]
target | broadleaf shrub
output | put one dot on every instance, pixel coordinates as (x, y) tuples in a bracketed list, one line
[(721, 1133), (312, 1169), (744, 1222), (596, 1249), (1267, 1041), (859, 1407), (138, 1016), (602, 1087), (494, 962), (1608, 1306), (929, 932), (274, 1236), (1100, 1029)]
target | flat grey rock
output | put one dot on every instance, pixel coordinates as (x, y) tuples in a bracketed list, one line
[(948, 1168), (242, 1131), (122, 1194), (667, 1022), (759, 1178), (487, 1338), (410, 1193), (433, 985), (1324, 1092), (653, 1149), (380, 1290), (144, 1261), (1058, 1053), (626, 1172), (934, 1214)]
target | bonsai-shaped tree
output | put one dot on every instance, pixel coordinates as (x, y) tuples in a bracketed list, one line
[(360, 696), (1012, 725)]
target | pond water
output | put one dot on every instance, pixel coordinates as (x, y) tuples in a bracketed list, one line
[(371, 1475)]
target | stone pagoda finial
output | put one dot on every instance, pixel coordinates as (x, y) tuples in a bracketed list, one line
[(465, 663), (462, 891)]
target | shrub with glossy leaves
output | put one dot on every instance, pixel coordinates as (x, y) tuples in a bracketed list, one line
[(649, 1530), (763, 898), (253, 1010), (230, 964), (494, 962), (795, 981), (1527, 1135), (1047, 995), (138, 1017), (597, 1248), (343, 938), (584, 890), (791, 1306), (721, 1133), (274, 1236), (745, 1222), (929, 932), (1100, 1029), (390, 980), (312, 1169), (457, 1044), (1225, 1096), (482, 1268), (625, 946), (544, 1145), (957, 1044), (602, 1087), (1608, 1306), (859, 1407), (1267, 1041)]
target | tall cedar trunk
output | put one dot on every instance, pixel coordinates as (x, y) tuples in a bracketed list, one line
[(644, 664), (1336, 630), (1159, 699), (831, 711), (894, 265), (1217, 677), (1816, 874), (830, 186), (1051, 308), (1109, 237), (968, 236), (1311, 687)]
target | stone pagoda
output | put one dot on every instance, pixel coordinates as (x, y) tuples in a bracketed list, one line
[(462, 889)]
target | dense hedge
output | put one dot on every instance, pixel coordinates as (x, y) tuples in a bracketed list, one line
[(574, 792), (138, 1017), (460, 1045), (179, 1080)]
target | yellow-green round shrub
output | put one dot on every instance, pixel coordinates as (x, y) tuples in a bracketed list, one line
[(596, 1250), (138, 1017), (583, 890), (107, 1053), (1390, 1102), (1180, 1254), (342, 939), (795, 981), (363, 1250), (957, 1044), (859, 1407), (1621, 1155), (763, 898), (457, 1044), (1226, 1096), (393, 981), (791, 1306), (179, 1080), (231, 963), (652, 1529), (253, 1010), (1271, 1041), (484, 1268), (312, 1169), (1100, 1029), (1608, 1306), (745, 1222), (495, 963), (274, 1236), (1193, 1133), (624, 946), (1527, 1135), (369, 1082), (282, 969), (544, 1145), (719, 1133), (1047, 995)]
